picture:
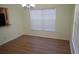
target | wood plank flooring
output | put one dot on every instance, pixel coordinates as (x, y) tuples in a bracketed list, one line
[(35, 45)]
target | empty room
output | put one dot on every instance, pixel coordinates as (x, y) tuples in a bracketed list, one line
[(38, 29)]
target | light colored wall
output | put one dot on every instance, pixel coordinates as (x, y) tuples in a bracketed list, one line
[(8, 33), (20, 23), (64, 20)]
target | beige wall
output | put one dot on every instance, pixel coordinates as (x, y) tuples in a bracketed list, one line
[(64, 20), (8, 33)]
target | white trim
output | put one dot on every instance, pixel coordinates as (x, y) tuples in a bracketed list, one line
[(11, 39), (73, 47), (47, 37), (71, 41)]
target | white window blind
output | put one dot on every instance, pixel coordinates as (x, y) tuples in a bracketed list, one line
[(43, 19)]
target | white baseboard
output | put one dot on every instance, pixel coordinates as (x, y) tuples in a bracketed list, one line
[(46, 37), (75, 48), (12, 38), (72, 47)]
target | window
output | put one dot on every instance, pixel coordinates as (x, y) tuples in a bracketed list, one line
[(43, 19)]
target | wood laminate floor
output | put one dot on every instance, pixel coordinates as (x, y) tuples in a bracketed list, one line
[(35, 45)]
